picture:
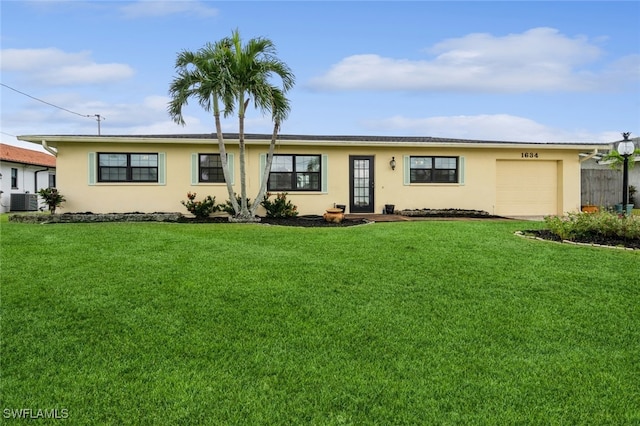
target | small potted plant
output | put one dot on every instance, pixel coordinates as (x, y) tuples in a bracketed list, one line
[(52, 198)]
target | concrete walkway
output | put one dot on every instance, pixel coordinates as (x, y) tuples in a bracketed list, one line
[(376, 217)]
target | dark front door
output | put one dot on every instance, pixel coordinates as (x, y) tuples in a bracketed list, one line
[(361, 198)]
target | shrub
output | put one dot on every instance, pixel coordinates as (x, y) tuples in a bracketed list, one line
[(280, 207), (200, 209), (228, 207), (605, 224), (52, 198)]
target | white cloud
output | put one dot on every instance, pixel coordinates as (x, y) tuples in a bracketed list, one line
[(127, 115), (541, 59), (30, 60), (622, 71), (495, 127), (89, 74), (149, 116), (54, 66), (156, 8)]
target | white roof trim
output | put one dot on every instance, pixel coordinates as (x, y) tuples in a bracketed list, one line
[(53, 140)]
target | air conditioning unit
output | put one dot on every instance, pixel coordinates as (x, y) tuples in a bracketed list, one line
[(24, 202)]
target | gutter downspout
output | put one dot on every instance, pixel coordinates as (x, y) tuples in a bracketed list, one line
[(50, 150), (35, 184), (35, 179)]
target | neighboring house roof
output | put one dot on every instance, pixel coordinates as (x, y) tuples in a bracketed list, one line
[(26, 156)]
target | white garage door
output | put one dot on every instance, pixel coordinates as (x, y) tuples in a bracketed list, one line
[(526, 188)]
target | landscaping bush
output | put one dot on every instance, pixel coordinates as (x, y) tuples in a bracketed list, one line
[(200, 209), (52, 198), (280, 207), (602, 224), (228, 207)]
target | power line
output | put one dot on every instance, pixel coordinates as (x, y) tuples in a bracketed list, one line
[(99, 117), (44, 102)]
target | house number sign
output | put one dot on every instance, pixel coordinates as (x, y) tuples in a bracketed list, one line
[(529, 155)]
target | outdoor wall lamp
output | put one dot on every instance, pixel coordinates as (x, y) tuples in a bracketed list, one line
[(625, 149), (392, 163)]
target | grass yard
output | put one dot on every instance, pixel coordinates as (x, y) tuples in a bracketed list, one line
[(435, 322)]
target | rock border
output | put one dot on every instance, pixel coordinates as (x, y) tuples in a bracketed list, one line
[(88, 217), (533, 237), (95, 217), (445, 213)]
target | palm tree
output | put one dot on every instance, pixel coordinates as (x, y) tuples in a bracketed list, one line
[(203, 75), (231, 74)]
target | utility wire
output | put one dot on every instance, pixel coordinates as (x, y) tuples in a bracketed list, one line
[(99, 117), (45, 102)]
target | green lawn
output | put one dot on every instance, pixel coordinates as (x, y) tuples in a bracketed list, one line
[(435, 322)]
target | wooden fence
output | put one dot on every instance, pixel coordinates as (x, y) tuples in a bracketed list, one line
[(601, 187)]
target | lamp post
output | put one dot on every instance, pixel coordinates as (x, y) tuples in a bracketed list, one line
[(625, 149)]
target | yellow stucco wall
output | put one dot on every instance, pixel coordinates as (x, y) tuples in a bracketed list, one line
[(478, 191)]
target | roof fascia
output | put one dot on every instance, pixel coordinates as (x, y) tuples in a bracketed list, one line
[(53, 140)]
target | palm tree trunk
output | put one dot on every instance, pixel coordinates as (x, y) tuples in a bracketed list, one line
[(244, 211), (267, 169), (223, 155)]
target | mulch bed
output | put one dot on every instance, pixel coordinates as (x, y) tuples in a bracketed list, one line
[(314, 221), (307, 221), (545, 234)]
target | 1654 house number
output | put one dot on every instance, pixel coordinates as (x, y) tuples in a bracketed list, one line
[(529, 155)]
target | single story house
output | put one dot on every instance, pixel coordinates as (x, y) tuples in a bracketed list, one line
[(23, 172), (153, 173)]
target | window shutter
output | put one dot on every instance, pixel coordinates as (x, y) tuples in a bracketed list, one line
[(406, 169), (92, 168), (194, 168), (162, 168), (461, 171), (263, 164), (325, 173), (230, 163)]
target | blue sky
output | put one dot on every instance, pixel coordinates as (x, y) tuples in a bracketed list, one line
[(543, 71)]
